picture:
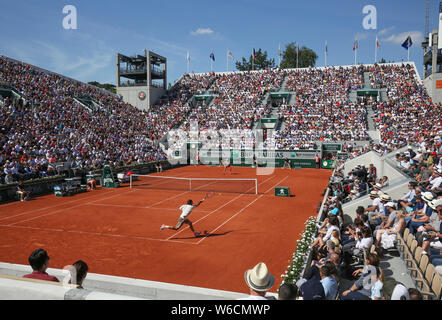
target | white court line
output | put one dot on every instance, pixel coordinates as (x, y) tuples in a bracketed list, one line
[(232, 217), (61, 204), (178, 195), (91, 203), (242, 210), (110, 235), (213, 211), (64, 209), (58, 205), (135, 207), (98, 234), (225, 204)]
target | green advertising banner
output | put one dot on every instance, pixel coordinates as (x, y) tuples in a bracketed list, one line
[(265, 158), (327, 164), (282, 192)]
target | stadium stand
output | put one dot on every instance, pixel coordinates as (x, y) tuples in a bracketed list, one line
[(51, 119)]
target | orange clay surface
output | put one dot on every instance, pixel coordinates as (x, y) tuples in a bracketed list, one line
[(117, 231)]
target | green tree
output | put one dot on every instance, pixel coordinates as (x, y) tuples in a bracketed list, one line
[(260, 62), (107, 86), (306, 57)]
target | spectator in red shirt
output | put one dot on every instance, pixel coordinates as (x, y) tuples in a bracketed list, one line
[(39, 261)]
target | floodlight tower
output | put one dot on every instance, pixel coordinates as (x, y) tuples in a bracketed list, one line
[(141, 79), (433, 58)]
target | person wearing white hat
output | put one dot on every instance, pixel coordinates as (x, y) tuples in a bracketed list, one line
[(259, 281), (382, 214), (432, 233), (375, 206), (421, 216), (435, 181), (391, 217)]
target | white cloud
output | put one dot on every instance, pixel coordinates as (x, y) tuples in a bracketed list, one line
[(385, 31), (416, 37), (201, 31)]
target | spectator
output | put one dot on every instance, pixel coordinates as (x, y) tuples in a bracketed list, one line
[(394, 290), (39, 261), (259, 281), (383, 213), (287, 291), (328, 281), (386, 237), (364, 240), (79, 272), (390, 211), (358, 291), (415, 294), (421, 216), (432, 235), (326, 233), (21, 191), (312, 289), (407, 200), (376, 289)]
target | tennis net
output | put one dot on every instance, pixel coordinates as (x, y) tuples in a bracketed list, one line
[(247, 186)]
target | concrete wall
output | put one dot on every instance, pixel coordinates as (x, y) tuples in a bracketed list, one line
[(397, 188), (155, 94), (130, 95), (430, 85), (383, 167), (101, 287), (16, 288)]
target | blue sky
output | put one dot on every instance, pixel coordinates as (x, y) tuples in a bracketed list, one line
[(35, 34)]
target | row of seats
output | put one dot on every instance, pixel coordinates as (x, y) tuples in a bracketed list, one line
[(420, 269)]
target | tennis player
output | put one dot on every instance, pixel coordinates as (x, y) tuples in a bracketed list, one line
[(186, 209), (227, 164), (287, 163)]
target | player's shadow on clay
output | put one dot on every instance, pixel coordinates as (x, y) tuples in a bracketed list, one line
[(208, 235)]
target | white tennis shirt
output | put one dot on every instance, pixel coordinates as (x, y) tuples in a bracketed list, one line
[(186, 209)]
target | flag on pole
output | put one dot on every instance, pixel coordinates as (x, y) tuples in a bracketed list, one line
[(378, 45), (188, 61), (254, 54), (355, 49), (279, 55), (212, 55), (297, 57), (407, 43), (326, 52), (355, 45), (229, 54)]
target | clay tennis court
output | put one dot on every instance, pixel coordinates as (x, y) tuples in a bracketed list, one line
[(117, 231)]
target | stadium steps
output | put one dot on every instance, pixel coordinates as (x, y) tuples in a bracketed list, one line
[(384, 96), (84, 104), (367, 83), (353, 96), (374, 134), (284, 84)]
